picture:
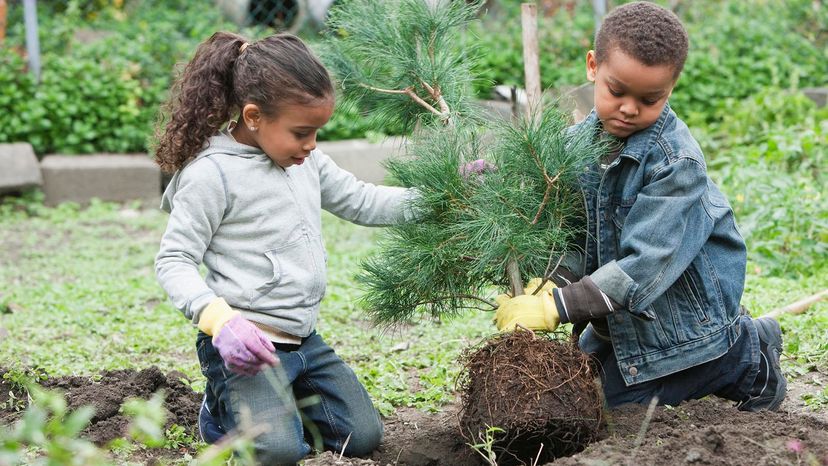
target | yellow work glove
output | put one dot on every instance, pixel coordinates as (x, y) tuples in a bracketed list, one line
[(215, 315), (535, 312), (532, 285)]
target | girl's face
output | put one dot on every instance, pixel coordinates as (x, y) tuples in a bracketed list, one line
[(289, 137), (629, 96)]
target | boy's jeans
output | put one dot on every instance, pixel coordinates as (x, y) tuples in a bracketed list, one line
[(307, 371), (729, 376)]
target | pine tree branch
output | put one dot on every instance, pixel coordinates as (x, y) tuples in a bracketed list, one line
[(492, 306), (437, 96), (549, 185), (548, 273), (409, 91)]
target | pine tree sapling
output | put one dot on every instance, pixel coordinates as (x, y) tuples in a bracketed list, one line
[(477, 234)]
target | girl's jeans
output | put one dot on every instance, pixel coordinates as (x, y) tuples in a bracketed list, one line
[(729, 376), (332, 403)]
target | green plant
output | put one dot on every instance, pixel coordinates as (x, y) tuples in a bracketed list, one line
[(769, 155), (48, 426), (147, 420), (177, 437), (817, 399), (486, 446)]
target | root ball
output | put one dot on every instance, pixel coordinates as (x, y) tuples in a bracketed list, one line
[(539, 393)]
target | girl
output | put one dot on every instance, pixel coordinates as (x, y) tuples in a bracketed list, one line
[(246, 202)]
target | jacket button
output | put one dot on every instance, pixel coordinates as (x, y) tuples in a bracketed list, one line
[(618, 318), (633, 371)]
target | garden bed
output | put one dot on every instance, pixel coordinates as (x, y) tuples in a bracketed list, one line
[(707, 431)]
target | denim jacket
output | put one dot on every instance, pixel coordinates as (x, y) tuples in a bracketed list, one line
[(662, 242)]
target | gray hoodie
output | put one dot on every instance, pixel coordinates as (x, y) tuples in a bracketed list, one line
[(257, 229)]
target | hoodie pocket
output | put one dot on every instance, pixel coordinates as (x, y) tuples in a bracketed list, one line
[(297, 275)]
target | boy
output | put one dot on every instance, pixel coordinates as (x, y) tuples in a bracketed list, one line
[(663, 264)]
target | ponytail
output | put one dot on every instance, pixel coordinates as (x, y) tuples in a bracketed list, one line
[(226, 73)]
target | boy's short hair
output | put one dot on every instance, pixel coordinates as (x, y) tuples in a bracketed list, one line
[(645, 31)]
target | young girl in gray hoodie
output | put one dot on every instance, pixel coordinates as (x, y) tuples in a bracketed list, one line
[(245, 201)]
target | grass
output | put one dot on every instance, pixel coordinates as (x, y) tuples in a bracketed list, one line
[(78, 295)]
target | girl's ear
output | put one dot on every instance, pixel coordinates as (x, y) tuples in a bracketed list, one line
[(251, 116), (591, 66)]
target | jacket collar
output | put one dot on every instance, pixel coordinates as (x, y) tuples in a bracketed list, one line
[(637, 144)]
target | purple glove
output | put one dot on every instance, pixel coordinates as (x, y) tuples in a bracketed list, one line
[(244, 347), (476, 167)]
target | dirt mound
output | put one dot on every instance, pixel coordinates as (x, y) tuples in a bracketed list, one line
[(107, 393), (538, 391), (708, 431)]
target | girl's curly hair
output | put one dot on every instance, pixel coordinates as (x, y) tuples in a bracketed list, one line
[(222, 77)]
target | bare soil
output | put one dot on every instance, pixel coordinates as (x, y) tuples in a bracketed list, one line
[(703, 432)]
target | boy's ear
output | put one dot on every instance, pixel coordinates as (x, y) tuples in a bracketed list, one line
[(251, 115), (591, 66)]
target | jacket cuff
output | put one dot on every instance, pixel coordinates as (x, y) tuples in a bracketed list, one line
[(614, 282), (214, 316), (583, 300)]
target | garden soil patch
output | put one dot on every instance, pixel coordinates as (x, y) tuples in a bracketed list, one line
[(704, 432), (107, 392)]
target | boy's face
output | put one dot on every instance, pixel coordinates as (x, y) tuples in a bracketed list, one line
[(629, 96)]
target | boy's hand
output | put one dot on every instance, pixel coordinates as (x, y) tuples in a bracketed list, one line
[(535, 312)]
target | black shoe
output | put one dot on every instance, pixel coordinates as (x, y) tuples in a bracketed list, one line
[(770, 386), (208, 426)]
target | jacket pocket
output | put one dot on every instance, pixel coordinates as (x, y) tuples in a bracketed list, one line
[(690, 302), (297, 274), (619, 218)]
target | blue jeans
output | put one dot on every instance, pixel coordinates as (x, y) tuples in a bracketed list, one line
[(730, 376), (332, 403)]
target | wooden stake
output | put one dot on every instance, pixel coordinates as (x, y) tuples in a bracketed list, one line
[(798, 307), (531, 70), (531, 65), (3, 11)]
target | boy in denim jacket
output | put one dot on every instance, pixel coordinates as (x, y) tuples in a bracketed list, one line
[(662, 269)]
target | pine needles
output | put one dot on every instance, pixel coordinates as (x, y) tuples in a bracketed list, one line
[(400, 58)]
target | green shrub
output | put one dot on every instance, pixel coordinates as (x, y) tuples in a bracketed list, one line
[(739, 48), (769, 155), (725, 61)]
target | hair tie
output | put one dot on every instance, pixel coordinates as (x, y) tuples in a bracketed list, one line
[(243, 48)]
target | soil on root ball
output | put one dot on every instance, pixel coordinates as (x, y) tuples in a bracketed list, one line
[(107, 393), (538, 391)]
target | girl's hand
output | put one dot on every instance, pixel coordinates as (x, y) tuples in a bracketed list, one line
[(243, 347), (476, 168)]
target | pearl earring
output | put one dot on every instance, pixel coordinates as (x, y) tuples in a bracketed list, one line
[(252, 128)]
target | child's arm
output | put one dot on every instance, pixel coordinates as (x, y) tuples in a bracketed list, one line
[(196, 202), (362, 203), (663, 232)]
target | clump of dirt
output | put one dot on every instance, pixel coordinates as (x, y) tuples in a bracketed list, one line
[(539, 390), (106, 394)]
